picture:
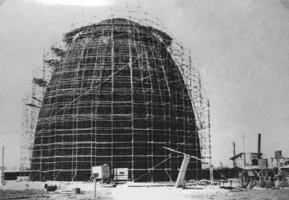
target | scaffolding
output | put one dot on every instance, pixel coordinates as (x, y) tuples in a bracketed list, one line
[(118, 92), (193, 82), (30, 110), (200, 103), (192, 79)]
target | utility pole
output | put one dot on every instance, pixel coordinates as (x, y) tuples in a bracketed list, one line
[(2, 173), (234, 154), (243, 137), (244, 150), (2, 167), (234, 149)]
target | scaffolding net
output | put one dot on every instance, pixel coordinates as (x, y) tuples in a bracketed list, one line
[(119, 92), (31, 106)]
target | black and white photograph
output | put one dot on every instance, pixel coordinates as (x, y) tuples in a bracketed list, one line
[(144, 99)]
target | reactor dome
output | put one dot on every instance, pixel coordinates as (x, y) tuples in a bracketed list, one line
[(115, 97)]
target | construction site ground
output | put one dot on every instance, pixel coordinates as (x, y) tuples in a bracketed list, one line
[(35, 190)]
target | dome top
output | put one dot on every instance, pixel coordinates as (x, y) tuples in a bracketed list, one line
[(119, 22)]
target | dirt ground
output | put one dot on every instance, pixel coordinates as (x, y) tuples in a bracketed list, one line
[(33, 191)]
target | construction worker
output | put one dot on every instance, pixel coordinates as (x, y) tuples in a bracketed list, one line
[(252, 181), (242, 179), (261, 182)]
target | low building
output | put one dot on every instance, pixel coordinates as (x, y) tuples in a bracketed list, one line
[(243, 160), (278, 162)]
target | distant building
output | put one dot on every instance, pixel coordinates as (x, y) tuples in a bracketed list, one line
[(278, 160), (242, 160)]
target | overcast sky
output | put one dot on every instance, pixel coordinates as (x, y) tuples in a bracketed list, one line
[(241, 48)]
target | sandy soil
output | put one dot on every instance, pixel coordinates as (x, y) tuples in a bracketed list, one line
[(34, 190)]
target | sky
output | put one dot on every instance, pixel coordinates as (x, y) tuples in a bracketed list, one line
[(239, 46)]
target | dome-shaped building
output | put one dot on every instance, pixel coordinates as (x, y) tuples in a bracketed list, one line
[(116, 97)]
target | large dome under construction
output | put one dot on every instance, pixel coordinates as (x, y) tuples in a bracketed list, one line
[(117, 97)]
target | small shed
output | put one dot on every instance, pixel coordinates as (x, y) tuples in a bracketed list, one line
[(242, 160)]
